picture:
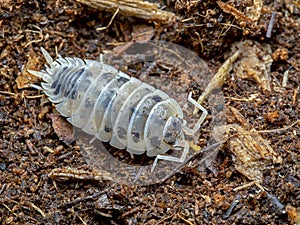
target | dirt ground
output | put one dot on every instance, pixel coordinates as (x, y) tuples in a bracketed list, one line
[(266, 95)]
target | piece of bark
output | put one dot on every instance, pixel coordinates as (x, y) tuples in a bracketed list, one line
[(137, 8)]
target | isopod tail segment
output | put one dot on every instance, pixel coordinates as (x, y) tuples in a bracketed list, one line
[(43, 74), (182, 143)]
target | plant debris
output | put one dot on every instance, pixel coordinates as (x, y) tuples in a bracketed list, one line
[(31, 150), (137, 8), (252, 153), (63, 129), (67, 174), (255, 62)]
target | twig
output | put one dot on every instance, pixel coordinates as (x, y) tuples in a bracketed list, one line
[(232, 206), (137, 8), (245, 186), (2, 188), (296, 90), (200, 41), (279, 129), (8, 93), (77, 200), (9, 209), (233, 11), (164, 219), (286, 77), (34, 31), (34, 96), (110, 22), (30, 204), (271, 24), (185, 220), (218, 79), (79, 217), (130, 212)]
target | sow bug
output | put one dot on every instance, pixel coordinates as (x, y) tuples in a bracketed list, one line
[(116, 108)]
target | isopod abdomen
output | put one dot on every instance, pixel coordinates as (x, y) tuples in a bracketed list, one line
[(117, 108)]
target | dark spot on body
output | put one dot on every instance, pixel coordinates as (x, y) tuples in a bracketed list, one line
[(121, 133), (54, 84), (107, 129), (105, 101), (155, 142), (74, 94), (106, 75), (135, 137), (157, 98), (176, 125), (132, 109), (74, 79), (88, 103), (57, 89), (170, 138), (122, 80), (58, 75), (168, 135), (173, 130), (67, 92), (145, 111)]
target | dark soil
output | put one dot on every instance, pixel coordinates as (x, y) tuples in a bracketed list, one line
[(30, 148)]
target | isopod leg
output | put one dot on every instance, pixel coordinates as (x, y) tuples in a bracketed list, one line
[(185, 151), (189, 131)]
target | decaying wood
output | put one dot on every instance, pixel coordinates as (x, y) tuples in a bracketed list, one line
[(252, 13), (254, 63), (252, 153), (137, 8), (66, 174)]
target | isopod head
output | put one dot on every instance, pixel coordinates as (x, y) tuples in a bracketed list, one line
[(173, 133)]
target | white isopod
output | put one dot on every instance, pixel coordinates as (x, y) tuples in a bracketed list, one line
[(117, 108)]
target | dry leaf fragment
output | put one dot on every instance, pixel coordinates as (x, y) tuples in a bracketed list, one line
[(240, 118), (142, 32), (24, 79), (255, 62), (252, 153), (63, 129)]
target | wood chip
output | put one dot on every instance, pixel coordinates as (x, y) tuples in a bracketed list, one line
[(233, 11), (218, 80), (69, 174), (254, 63), (137, 8), (252, 153)]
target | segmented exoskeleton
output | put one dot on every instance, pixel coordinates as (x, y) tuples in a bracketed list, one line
[(117, 108)]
